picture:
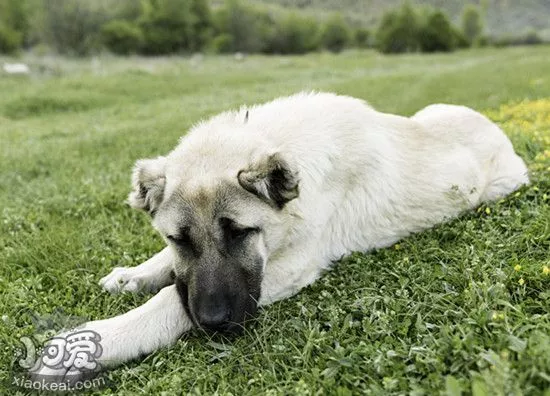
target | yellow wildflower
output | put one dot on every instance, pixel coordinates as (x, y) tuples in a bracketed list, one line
[(546, 270), (521, 281), (517, 267)]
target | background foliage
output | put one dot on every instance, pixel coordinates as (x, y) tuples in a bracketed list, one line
[(156, 27)]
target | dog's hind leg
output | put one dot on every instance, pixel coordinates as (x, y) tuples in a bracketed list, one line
[(508, 172), (151, 276)]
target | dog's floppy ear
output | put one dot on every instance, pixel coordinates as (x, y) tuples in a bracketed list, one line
[(148, 180), (272, 179)]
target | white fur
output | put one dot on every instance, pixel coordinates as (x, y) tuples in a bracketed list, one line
[(367, 180)]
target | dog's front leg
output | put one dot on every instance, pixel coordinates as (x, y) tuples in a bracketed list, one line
[(151, 276), (156, 324)]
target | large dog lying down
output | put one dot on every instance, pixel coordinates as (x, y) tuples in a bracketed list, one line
[(254, 204)]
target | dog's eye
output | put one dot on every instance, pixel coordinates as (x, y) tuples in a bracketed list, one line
[(239, 233), (181, 239), (234, 231)]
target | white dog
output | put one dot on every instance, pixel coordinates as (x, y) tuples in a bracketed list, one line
[(255, 204)]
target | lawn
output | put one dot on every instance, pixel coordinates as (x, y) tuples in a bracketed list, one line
[(464, 307)]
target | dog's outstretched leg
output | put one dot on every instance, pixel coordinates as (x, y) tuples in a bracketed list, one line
[(156, 324), (151, 276)]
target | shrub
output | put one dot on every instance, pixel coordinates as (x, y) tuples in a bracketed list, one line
[(122, 37), (14, 16), (201, 25), (10, 40), (436, 34), (398, 31), (295, 34), (166, 26), (336, 34), (460, 40), (472, 23), (529, 38), (362, 38), (222, 43), (242, 28), (73, 26)]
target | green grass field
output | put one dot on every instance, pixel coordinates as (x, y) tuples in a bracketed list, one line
[(464, 307)]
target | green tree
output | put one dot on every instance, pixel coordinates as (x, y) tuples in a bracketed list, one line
[(167, 26), (362, 38), (14, 24), (201, 26), (295, 34), (10, 40), (242, 27), (335, 35), (436, 34), (73, 26), (398, 30), (122, 37), (472, 23)]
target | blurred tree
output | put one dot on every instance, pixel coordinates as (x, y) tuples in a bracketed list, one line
[(335, 35), (472, 23), (295, 34), (167, 26), (242, 27), (14, 24), (398, 30), (10, 40), (202, 24), (362, 38), (73, 26), (436, 34), (122, 37)]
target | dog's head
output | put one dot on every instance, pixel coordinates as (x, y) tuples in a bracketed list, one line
[(222, 225)]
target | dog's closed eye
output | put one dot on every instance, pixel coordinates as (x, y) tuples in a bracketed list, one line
[(235, 232), (181, 239)]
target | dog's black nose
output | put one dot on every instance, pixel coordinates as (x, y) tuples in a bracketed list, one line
[(214, 313)]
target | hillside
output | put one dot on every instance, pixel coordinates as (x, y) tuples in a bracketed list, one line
[(503, 17)]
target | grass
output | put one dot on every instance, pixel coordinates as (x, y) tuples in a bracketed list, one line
[(464, 307)]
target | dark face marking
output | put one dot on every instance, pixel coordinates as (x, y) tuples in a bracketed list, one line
[(221, 284)]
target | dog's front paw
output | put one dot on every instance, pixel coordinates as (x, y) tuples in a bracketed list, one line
[(127, 279)]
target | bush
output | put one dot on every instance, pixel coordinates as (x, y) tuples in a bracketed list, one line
[(460, 40), (436, 34), (242, 28), (14, 17), (73, 26), (201, 25), (472, 23), (122, 37), (10, 40), (362, 38), (529, 38), (222, 43), (336, 34), (398, 31), (166, 26), (295, 34)]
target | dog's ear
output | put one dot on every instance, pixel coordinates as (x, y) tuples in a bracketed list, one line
[(272, 179), (148, 180)]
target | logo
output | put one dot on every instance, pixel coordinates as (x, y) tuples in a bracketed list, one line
[(65, 362)]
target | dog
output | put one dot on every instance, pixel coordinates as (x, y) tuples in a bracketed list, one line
[(255, 204)]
